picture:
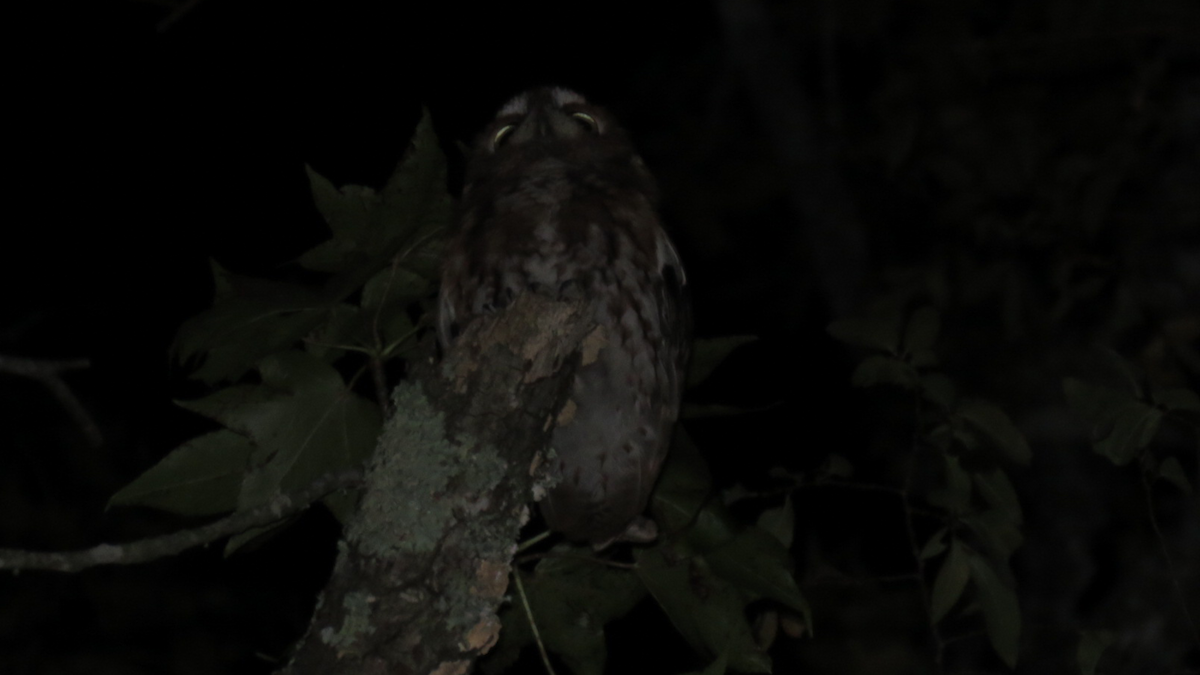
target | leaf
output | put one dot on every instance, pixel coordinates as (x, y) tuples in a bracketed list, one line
[(199, 478), (1092, 644), (1172, 471), (880, 331), (394, 286), (935, 545), (993, 426), (922, 330), (718, 666), (875, 370), (1001, 615), (348, 214), (780, 522), (249, 319), (683, 487), (758, 564), (1131, 431), (370, 227), (406, 220), (1121, 425), (955, 495), (996, 489), (709, 353), (303, 421), (950, 582), (707, 611), (572, 600), (997, 530), (835, 466), (342, 331), (938, 389)]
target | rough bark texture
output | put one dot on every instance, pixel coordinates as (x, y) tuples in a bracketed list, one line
[(424, 564)]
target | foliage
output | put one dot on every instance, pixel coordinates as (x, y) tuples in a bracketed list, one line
[(969, 441), (288, 413)]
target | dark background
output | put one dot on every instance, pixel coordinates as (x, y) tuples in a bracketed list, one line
[(1038, 159)]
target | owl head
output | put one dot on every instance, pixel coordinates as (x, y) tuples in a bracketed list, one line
[(547, 122)]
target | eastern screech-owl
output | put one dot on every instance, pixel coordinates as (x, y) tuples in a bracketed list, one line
[(558, 203)]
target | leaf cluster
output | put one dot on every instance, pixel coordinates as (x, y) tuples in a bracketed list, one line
[(967, 442), (284, 357)]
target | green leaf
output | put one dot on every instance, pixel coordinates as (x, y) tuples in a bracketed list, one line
[(572, 600), (998, 530), (997, 490), (684, 486), (1001, 614), (249, 319), (718, 666), (875, 370), (835, 466), (1092, 644), (303, 421), (708, 353), (707, 611), (880, 331), (406, 220), (1121, 425), (938, 389), (992, 426), (394, 286), (347, 212), (342, 331), (370, 227), (955, 495), (1132, 431), (755, 562), (1172, 471), (201, 477), (780, 522), (935, 545), (950, 582), (922, 330)]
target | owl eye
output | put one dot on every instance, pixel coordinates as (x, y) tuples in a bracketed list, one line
[(587, 122), (502, 134)]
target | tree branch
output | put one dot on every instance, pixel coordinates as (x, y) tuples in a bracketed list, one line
[(48, 372), (425, 561), (146, 550)]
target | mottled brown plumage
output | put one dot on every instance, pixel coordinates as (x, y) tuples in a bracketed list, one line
[(558, 203)]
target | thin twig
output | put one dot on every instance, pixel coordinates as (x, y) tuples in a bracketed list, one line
[(575, 556), (49, 373), (537, 637), (1162, 546), (181, 10), (153, 548), (939, 644)]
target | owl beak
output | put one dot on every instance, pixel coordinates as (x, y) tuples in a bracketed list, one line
[(547, 125)]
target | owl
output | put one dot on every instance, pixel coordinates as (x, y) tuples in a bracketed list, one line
[(558, 203)]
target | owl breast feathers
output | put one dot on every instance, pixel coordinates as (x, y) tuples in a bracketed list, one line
[(558, 203)]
